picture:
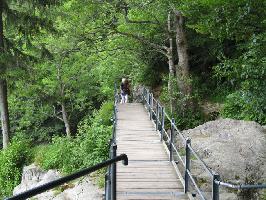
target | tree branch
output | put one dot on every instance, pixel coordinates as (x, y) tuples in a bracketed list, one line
[(160, 48), (125, 8)]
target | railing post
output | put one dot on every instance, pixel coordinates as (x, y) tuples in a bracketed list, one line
[(114, 124), (148, 100), (188, 142), (171, 139), (143, 96), (215, 187), (113, 173), (157, 116), (151, 105), (107, 186), (162, 124)]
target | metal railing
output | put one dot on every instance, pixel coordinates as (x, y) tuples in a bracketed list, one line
[(163, 122), (42, 188), (110, 177)]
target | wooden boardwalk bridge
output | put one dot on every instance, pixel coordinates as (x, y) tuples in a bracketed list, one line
[(154, 164), (149, 174)]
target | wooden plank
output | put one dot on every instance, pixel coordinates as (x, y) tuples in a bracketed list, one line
[(147, 190), (149, 174)]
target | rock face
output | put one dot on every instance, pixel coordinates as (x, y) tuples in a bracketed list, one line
[(137, 94), (233, 148), (33, 176)]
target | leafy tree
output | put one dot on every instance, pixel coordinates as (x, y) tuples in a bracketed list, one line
[(19, 21), (234, 31)]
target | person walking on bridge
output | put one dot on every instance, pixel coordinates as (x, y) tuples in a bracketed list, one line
[(125, 91)]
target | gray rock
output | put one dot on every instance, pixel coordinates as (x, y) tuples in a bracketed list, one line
[(33, 176), (137, 93), (233, 148), (84, 189)]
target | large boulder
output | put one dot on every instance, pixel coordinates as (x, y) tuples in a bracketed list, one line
[(34, 176), (233, 148)]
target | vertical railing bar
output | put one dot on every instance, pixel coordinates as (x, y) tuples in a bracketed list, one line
[(151, 106), (188, 142), (107, 185), (215, 187), (171, 139), (162, 124), (143, 95), (157, 116), (148, 100), (113, 173)]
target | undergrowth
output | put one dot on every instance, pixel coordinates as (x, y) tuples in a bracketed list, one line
[(12, 161), (88, 148), (68, 155)]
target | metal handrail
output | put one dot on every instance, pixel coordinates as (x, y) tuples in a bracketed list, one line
[(110, 177), (148, 100), (42, 188), (240, 186)]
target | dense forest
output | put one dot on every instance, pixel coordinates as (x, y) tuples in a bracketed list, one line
[(60, 59)]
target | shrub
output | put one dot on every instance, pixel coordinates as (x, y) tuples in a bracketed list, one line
[(94, 137), (61, 154), (12, 161), (104, 115), (247, 76), (185, 118), (245, 105), (88, 148)]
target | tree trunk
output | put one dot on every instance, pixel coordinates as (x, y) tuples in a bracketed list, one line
[(65, 118), (171, 79), (171, 65), (182, 69), (3, 89), (62, 99), (4, 113)]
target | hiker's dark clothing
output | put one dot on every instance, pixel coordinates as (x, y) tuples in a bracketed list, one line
[(125, 89)]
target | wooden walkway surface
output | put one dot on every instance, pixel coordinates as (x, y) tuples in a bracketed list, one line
[(149, 174)]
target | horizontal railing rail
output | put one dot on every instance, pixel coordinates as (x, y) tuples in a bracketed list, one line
[(240, 186), (160, 118), (42, 188)]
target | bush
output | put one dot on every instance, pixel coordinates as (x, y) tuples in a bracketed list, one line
[(12, 161), (245, 105), (61, 154), (104, 115), (88, 148), (247, 76), (187, 118), (94, 137)]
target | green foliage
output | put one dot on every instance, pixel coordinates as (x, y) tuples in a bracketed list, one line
[(224, 20), (88, 148), (102, 116), (95, 143), (12, 161), (61, 154), (184, 119), (245, 105), (189, 119), (78, 63), (247, 74)]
